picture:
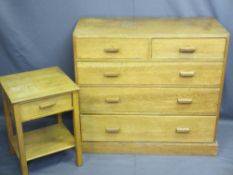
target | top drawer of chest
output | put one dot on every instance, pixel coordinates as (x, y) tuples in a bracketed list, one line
[(157, 49), (112, 48), (188, 49)]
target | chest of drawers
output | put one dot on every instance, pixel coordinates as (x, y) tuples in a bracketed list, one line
[(150, 85)]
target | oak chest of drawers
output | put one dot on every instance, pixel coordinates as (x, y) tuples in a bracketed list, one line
[(150, 85)]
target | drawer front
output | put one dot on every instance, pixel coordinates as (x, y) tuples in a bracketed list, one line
[(188, 49), (149, 73), (44, 107), (112, 48), (148, 128), (126, 100)]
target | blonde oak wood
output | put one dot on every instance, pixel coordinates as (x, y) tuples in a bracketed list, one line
[(183, 130), (186, 54), (45, 141), (20, 141), (149, 73), (184, 74), (184, 100), (126, 100), (148, 128), (189, 49), (112, 130), (112, 48), (47, 106), (77, 129), (59, 118), (9, 125), (149, 28), (36, 84), (45, 92), (163, 148), (222, 81)]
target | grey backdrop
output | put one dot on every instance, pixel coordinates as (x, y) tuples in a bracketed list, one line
[(38, 33)]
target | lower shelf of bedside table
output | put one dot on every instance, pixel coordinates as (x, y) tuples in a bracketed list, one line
[(45, 141)]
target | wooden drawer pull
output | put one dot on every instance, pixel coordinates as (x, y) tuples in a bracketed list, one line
[(46, 105), (187, 50), (184, 101), (187, 74), (112, 100), (112, 130), (182, 130), (111, 74), (111, 50)]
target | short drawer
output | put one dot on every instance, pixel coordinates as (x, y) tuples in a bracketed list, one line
[(148, 128), (188, 49), (128, 100), (112, 48), (149, 73), (45, 107)]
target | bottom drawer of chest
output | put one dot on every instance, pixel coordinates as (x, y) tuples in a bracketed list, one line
[(148, 128)]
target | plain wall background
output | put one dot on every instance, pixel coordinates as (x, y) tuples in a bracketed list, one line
[(38, 33)]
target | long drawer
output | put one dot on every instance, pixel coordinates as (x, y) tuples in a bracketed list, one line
[(112, 48), (148, 128), (149, 73), (126, 100), (188, 49)]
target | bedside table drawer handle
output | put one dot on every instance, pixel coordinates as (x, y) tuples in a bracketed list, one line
[(187, 50), (112, 130), (111, 74), (111, 50), (46, 105), (184, 101), (182, 130), (187, 74), (112, 100)]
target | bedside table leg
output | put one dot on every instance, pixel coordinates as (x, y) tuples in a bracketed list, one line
[(8, 123), (59, 118), (77, 130), (20, 142)]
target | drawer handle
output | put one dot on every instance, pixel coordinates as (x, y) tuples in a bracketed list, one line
[(187, 50), (111, 74), (187, 74), (111, 50), (112, 100), (112, 130), (46, 105), (182, 130), (184, 101)]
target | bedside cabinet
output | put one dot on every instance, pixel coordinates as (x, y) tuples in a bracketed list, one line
[(150, 85), (37, 94)]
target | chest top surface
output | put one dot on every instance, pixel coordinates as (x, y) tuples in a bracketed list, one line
[(36, 84), (149, 27)]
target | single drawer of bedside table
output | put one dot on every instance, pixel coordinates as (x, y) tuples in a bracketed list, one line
[(131, 100), (112, 48), (149, 73), (45, 107), (148, 128), (188, 49)]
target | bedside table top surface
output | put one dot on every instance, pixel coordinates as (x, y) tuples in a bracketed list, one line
[(149, 27), (36, 84)]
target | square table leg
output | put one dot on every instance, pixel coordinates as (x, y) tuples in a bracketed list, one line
[(59, 118), (9, 127), (77, 130), (20, 141)]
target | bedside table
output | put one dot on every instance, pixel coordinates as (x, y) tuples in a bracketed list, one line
[(36, 94)]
